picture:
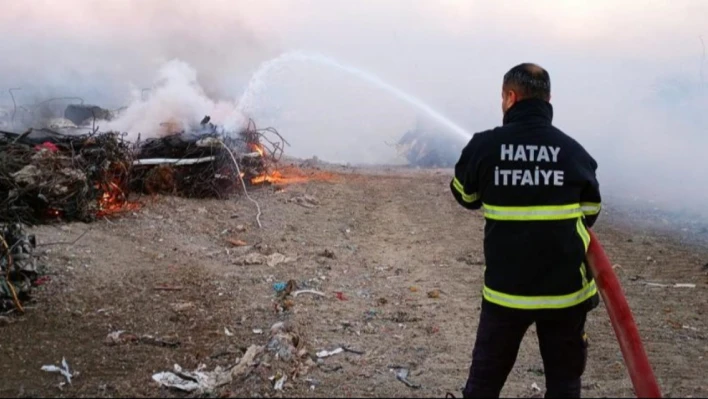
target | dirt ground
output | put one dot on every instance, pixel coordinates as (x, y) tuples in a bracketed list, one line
[(375, 243)]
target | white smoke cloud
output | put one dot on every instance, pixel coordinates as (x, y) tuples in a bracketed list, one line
[(175, 103)]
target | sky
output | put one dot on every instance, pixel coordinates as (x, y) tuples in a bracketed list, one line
[(626, 75)]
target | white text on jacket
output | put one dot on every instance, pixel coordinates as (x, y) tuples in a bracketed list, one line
[(528, 177)]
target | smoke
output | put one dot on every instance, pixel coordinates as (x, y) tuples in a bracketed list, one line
[(174, 104), (627, 76), (104, 51)]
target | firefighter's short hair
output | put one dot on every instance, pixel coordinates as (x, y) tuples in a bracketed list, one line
[(528, 81)]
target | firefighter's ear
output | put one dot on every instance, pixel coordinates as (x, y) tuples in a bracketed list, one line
[(513, 98), (509, 98)]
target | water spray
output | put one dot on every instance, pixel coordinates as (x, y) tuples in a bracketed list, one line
[(635, 358), (257, 82)]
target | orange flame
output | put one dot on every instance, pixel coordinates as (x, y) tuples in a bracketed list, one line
[(257, 148), (113, 200), (289, 176)]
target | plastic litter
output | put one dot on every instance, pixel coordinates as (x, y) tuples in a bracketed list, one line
[(402, 375), (63, 370), (325, 353), (313, 292), (279, 384), (193, 381)]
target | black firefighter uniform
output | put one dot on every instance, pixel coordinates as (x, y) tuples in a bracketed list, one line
[(537, 189)]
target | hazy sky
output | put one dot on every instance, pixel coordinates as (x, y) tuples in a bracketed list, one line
[(626, 75)]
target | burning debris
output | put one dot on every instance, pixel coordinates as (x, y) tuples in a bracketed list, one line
[(46, 175), (199, 164), (18, 267)]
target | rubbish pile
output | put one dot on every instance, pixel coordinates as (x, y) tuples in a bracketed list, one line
[(204, 163), (284, 358), (18, 267), (46, 175), (428, 149)]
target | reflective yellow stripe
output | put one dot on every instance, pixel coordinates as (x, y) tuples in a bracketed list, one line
[(541, 302), (583, 274), (526, 213), (461, 189), (583, 233), (585, 236), (591, 208)]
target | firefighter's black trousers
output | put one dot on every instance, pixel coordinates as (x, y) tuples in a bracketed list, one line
[(562, 340)]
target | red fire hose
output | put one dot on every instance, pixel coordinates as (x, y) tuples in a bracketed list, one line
[(640, 371)]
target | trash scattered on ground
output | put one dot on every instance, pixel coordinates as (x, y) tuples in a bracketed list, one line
[(535, 387), (677, 285), (284, 342), (340, 296), (17, 261), (63, 370), (413, 289), (244, 365), (257, 331), (354, 351), (122, 337), (313, 383), (279, 286), (278, 386), (313, 292), (228, 333), (434, 294), (325, 353), (402, 375), (198, 381), (206, 382)]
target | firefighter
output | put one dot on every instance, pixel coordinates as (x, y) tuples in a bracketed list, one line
[(538, 191)]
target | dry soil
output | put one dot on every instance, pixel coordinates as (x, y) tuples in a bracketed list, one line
[(376, 243)]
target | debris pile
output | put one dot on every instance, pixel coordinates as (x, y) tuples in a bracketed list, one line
[(45, 175), (205, 163), (284, 359), (18, 267), (428, 149)]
